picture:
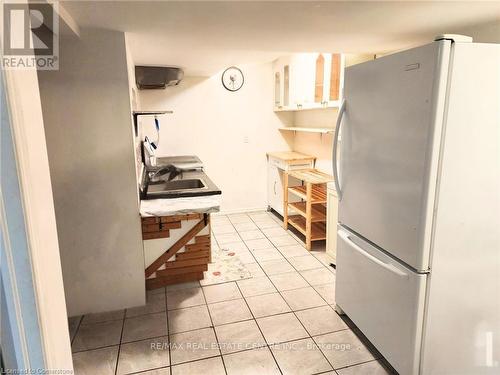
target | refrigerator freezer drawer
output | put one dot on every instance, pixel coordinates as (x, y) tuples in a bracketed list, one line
[(383, 298)]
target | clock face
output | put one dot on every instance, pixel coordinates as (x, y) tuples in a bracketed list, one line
[(232, 78)]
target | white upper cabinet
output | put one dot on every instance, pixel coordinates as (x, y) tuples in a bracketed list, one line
[(308, 81)]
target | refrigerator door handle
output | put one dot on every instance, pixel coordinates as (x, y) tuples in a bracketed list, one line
[(389, 267), (335, 147)]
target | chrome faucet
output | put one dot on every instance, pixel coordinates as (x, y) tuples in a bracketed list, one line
[(173, 172)]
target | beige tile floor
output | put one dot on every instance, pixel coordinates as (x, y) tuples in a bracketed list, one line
[(281, 321)]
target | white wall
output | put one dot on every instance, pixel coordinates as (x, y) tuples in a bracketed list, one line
[(87, 118), (483, 33), (319, 145), (230, 131)]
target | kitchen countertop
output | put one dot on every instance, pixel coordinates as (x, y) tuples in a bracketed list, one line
[(175, 206), (290, 156)]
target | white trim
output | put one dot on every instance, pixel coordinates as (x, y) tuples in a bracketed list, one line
[(13, 280), (240, 210), (32, 162), (68, 20)]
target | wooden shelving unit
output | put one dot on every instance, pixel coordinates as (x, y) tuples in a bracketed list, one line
[(318, 229), (310, 214), (318, 193), (318, 211)]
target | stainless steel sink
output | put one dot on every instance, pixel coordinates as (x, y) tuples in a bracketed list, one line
[(176, 185)]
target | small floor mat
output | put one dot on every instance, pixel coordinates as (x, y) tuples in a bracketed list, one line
[(226, 266)]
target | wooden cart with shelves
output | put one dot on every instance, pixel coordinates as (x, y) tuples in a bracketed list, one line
[(308, 216)]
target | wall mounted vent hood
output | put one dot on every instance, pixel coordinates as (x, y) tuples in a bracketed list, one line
[(157, 77)]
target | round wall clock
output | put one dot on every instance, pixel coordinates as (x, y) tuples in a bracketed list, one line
[(232, 78)]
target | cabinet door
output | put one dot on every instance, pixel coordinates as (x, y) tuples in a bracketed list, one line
[(286, 85), (319, 89), (275, 188), (277, 89), (303, 79), (334, 77), (335, 66), (281, 73)]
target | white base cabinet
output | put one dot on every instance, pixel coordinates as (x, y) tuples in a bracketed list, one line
[(275, 169), (275, 188)]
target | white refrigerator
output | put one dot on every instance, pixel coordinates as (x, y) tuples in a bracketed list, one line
[(418, 179)]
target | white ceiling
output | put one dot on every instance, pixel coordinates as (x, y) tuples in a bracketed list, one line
[(203, 37)]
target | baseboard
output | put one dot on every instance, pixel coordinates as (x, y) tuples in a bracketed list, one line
[(240, 210)]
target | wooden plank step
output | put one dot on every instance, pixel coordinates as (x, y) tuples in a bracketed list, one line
[(202, 239), (192, 255), (181, 271), (318, 211), (160, 227), (170, 219), (154, 235), (197, 246), (149, 228), (171, 225), (162, 259), (158, 282), (186, 263), (150, 220)]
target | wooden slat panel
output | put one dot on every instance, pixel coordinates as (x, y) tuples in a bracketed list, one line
[(150, 220), (202, 239), (312, 176), (318, 210), (182, 270), (192, 255), (148, 228), (197, 246), (318, 230), (158, 282), (175, 248), (318, 193), (209, 221), (154, 235), (171, 225), (186, 263), (169, 219)]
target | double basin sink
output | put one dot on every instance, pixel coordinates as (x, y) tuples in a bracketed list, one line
[(176, 177), (176, 185)]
